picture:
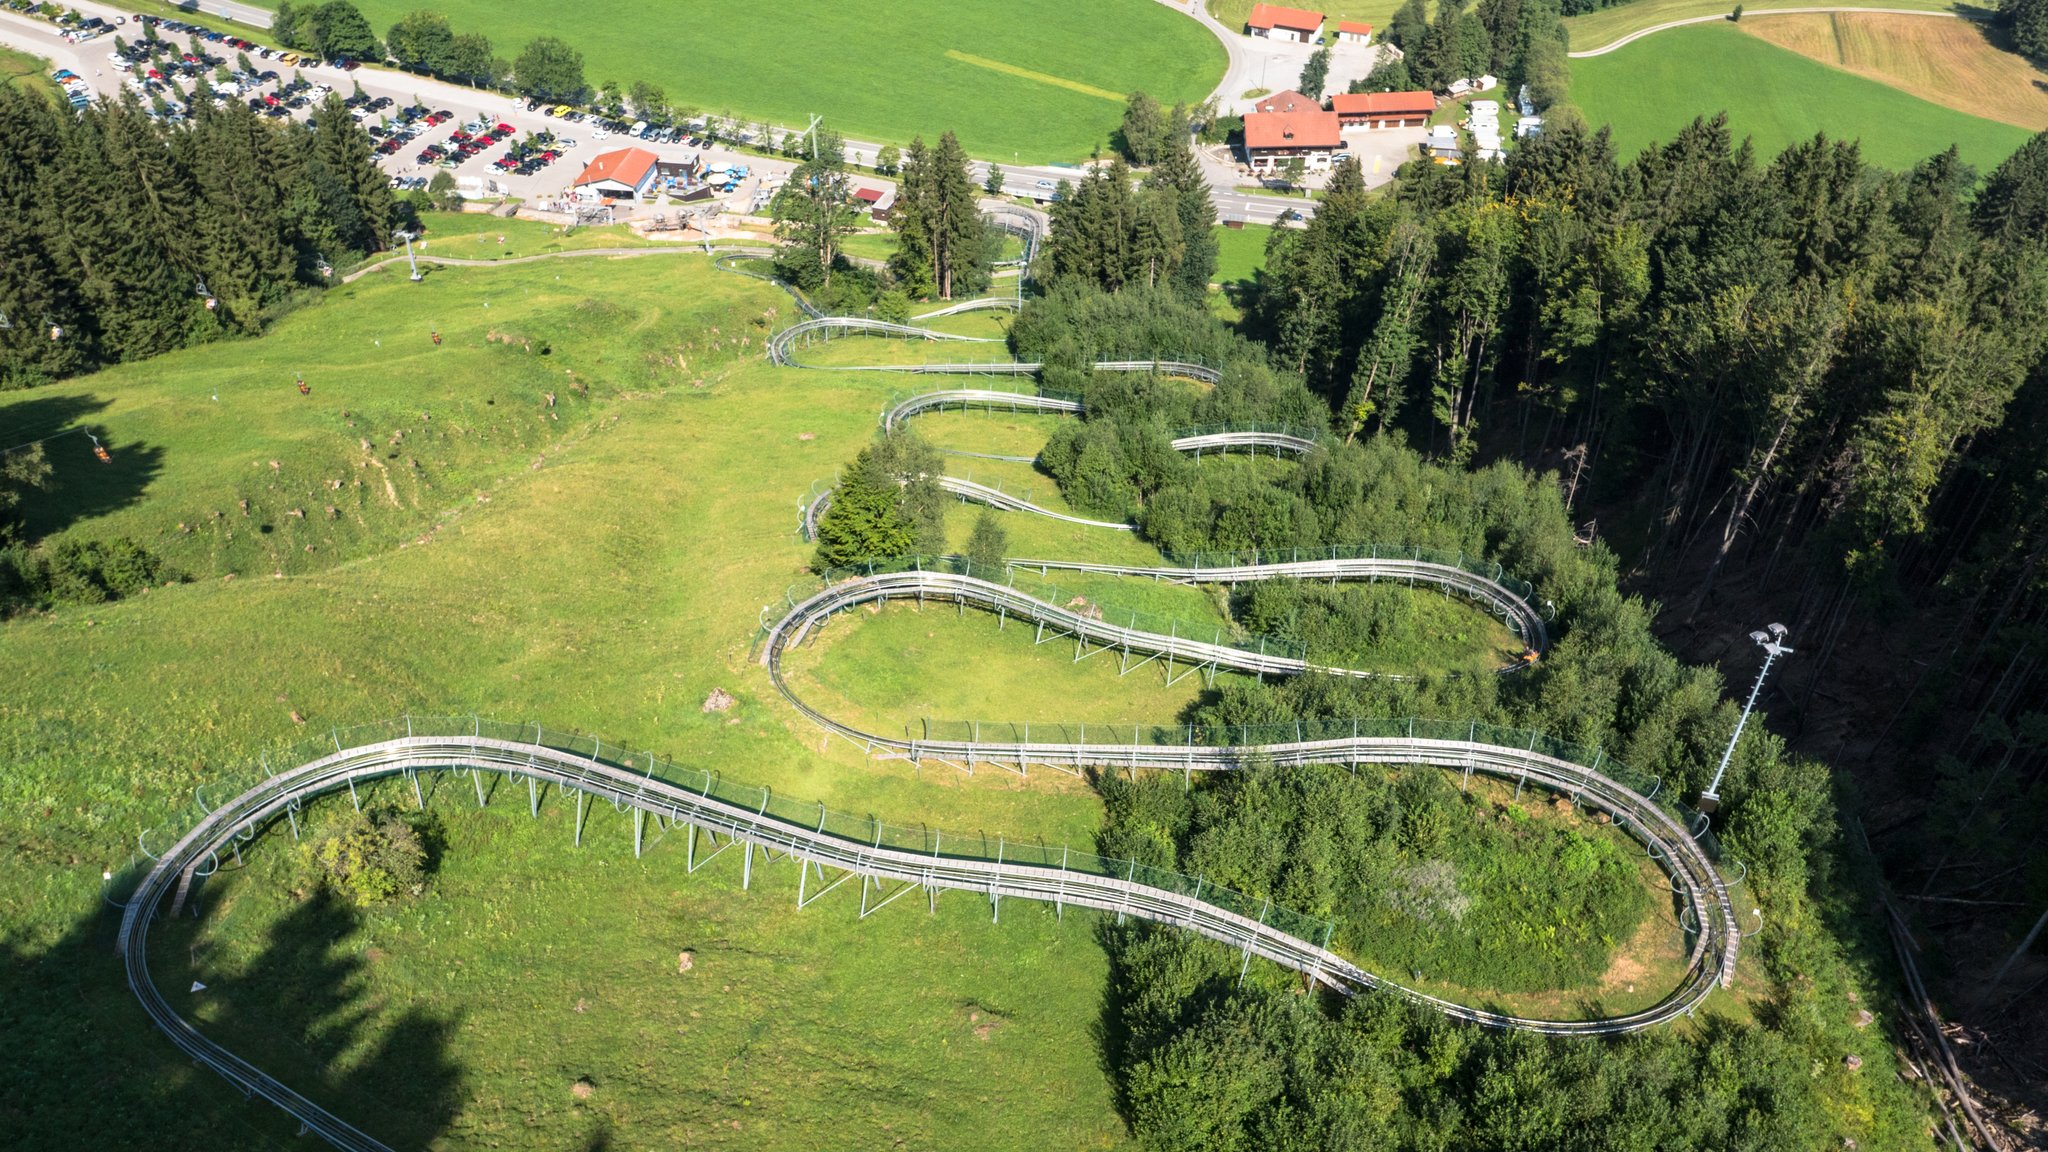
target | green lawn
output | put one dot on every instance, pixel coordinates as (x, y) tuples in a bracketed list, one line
[(1018, 80), (32, 72), (1655, 86), (1606, 25), (1240, 252), (600, 565), (475, 236)]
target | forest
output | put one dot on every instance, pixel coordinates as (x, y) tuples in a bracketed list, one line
[(170, 235), (1668, 390)]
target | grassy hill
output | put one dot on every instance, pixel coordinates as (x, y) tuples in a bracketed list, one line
[(600, 564), (428, 531), (1650, 89)]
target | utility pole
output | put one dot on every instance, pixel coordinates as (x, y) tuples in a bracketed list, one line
[(1772, 642), (406, 236)]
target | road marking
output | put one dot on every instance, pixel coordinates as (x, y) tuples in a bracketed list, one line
[(1040, 77)]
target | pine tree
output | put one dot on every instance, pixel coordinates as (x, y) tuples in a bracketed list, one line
[(1144, 124), (344, 152), (1389, 355), (943, 245), (1180, 174), (911, 219), (863, 523), (1409, 26)]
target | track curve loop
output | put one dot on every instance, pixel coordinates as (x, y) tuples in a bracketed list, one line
[(1689, 864)]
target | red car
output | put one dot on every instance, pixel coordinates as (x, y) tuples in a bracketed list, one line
[(505, 129)]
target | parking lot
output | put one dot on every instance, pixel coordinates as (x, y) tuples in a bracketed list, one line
[(493, 146)]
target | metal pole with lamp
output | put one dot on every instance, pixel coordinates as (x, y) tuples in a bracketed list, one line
[(1772, 640), (406, 236)]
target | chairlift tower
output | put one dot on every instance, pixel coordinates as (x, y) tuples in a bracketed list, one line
[(1772, 640)]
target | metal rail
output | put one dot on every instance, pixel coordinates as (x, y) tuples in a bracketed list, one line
[(781, 345), (1521, 616), (1693, 875)]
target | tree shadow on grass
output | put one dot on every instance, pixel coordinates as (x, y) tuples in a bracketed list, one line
[(85, 1068), (80, 486)]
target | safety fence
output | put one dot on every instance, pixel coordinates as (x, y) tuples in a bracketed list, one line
[(813, 817)]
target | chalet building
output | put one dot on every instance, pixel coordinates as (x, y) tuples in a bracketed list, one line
[(1373, 110), (1288, 101), (1272, 22), (625, 174), (1352, 32), (1273, 138)]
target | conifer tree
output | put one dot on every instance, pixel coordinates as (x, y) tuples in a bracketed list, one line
[(1179, 175)]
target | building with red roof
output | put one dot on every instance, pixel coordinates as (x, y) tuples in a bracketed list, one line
[(1288, 101), (1384, 109), (628, 172), (1352, 32), (1272, 138), (1273, 22)]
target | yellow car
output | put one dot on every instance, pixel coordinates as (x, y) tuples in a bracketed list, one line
[(560, 110), (291, 58)]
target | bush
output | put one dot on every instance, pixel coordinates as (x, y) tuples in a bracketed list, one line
[(376, 855), (71, 571)]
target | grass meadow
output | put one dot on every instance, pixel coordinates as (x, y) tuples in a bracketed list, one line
[(576, 509), (1011, 77), (1240, 252), (494, 558), (30, 72), (1652, 88), (1959, 64), (1606, 25)]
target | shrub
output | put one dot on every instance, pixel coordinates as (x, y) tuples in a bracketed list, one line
[(376, 855)]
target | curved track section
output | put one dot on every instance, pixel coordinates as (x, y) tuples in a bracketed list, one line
[(973, 493), (1521, 616), (1709, 914), (1299, 442), (195, 854), (984, 304), (1003, 501), (781, 351)]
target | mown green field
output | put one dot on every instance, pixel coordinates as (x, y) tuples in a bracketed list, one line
[(1652, 88), (1030, 80), (1240, 252)]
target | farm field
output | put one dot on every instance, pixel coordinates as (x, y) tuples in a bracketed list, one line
[(1024, 80), (1953, 63), (1604, 26), (1655, 86)]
